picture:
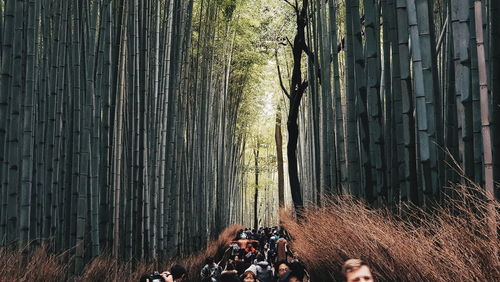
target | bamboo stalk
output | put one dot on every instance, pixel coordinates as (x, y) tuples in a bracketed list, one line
[(485, 125)]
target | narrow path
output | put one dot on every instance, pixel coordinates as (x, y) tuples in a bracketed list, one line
[(263, 254)]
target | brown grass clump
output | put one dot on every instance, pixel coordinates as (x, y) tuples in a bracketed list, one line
[(40, 265), (452, 243), (37, 265), (105, 268), (215, 249)]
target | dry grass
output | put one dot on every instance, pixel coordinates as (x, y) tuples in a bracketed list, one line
[(42, 266), (215, 249), (105, 268), (451, 244), (37, 265)]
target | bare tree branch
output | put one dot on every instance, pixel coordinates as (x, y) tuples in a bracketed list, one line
[(295, 7), (307, 50), (289, 42), (279, 75)]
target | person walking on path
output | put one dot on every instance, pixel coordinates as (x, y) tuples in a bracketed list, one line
[(281, 268), (176, 274), (281, 249), (249, 276), (271, 254), (295, 273), (250, 253), (229, 274), (211, 270), (262, 269), (356, 270)]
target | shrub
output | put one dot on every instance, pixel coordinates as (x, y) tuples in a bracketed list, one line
[(451, 243)]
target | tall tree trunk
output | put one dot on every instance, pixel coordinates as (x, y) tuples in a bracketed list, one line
[(424, 137), (256, 152), (27, 121), (279, 156), (494, 64), (374, 106), (297, 90), (361, 104), (326, 111), (485, 126), (352, 151), (7, 65), (13, 130), (339, 115), (461, 34), (409, 190)]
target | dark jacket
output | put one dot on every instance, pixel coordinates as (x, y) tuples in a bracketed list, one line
[(211, 271), (263, 270)]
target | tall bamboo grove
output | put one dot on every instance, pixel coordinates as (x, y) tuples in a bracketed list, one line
[(398, 91), (117, 125)]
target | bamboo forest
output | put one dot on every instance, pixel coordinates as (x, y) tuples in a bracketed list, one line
[(157, 140)]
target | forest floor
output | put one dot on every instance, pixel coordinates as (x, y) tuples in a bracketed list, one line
[(450, 244)]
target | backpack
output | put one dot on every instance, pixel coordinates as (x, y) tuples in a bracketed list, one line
[(264, 272), (235, 249)]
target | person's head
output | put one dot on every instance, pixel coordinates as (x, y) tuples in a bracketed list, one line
[(283, 268), (228, 277), (260, 257), (178, 272), (356, 270), (209, 261), (298, 270), (291, 276), (294, 277), (230, 265), (249, 276)]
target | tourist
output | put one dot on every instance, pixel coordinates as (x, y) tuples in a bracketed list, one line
[(249, 276), (240, 265), (283, 269), (250, 253), (229, 274), (271, 254), (356, 270), (211, 270), (177, 273), (262, 269), (281, 249), (292, 276)]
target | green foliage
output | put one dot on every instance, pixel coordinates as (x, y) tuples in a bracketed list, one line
[(228, 7)]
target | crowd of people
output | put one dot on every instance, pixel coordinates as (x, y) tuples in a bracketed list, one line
[(256, 255), (263, 255)]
